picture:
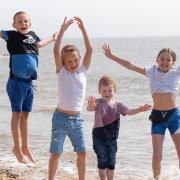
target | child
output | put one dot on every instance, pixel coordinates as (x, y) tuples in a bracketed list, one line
[(164, 79), (71, 91), (106, 125), (22, 45)]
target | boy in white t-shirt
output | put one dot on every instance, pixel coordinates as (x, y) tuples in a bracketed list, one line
[(71, 94)]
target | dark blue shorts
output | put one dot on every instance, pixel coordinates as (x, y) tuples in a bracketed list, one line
[(21, 94), (162, 120), (106, 152)]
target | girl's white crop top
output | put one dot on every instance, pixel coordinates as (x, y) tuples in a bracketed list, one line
[(161, 82)]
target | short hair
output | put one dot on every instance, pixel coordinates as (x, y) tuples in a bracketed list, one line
[(18, 13), (105, 81), (168, 50), (68, 48)]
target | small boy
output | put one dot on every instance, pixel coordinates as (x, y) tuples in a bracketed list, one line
[(106, 125), (22, 45)]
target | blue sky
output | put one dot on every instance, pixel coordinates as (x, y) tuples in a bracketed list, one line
[(102, 18)]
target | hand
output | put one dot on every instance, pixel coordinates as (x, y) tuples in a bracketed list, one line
[(66, 24), (106, 50), (79, 22), (145, 107), (91, 103)]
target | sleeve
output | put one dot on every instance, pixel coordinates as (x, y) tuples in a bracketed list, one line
[(121, 108), (5, 35), (37, 37), (178, 70), (149, 70), (83, 69)]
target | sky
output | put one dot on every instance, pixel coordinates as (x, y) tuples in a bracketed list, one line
[(102, 18)]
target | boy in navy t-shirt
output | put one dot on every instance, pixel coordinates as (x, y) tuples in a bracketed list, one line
[(22, 45)]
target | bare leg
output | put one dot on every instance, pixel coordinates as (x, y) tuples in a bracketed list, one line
[(15, 120), (24, 136), (176, 139), (102, 174), (81, 165), (53, 164), (157, 142), (110, 174)]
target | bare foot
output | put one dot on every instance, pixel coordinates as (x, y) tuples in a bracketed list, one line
[(28, 153), (19, 156)]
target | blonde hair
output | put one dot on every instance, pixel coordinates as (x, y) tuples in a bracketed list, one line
[(168, 50), (105, 81), (67, 49)]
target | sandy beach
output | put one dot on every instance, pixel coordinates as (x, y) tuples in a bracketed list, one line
[(11, 169)]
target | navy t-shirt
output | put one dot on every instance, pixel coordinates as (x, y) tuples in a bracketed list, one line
[(23, 50)]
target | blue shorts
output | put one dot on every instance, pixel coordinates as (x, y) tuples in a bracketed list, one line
[(106, 152), (172, 122), (70, 125), (21, 94)]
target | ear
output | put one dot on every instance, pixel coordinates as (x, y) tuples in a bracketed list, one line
[(14, 25)]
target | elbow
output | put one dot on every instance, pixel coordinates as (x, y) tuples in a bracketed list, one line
[(90, 50)]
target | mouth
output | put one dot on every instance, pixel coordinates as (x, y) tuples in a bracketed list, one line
[(23, 29)]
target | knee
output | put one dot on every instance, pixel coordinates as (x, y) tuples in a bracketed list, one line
[(54, 157), (81, 155), (157, 158)]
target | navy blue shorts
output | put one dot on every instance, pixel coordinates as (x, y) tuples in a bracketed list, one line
[(162, 120), (106, 152), (67, 125), (21, 94)]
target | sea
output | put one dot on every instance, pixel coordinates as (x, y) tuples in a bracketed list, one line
[(134, 143)]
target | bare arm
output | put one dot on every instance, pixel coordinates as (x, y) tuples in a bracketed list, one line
[(88, 53), (91, 103), (143, 108), (48, 40), (57, 45), (124, 63)]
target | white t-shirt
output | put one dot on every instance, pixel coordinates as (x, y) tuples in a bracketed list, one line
[(71, 89), (161, 82)]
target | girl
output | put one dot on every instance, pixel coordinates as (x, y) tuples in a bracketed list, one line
[(71, 93), (163, 79)]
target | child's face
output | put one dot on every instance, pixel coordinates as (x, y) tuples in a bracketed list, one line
[(22, 23), (72, 61), (107, 92), (165, 62)]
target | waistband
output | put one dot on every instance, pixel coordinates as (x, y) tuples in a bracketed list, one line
[(66, 115), (21, 79), (168, 111)]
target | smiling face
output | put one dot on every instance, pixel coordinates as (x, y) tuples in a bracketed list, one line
[(107, 92), (22, 23), (165, 62), (71, 61)]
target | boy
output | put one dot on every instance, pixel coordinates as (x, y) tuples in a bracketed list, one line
[(106, 125), (22, 45)]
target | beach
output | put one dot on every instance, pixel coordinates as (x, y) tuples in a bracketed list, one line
[(133, 161)]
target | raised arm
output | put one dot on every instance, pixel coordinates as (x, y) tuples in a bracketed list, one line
[(124, 63), (48, 40), (88, 53), (57, 45), (143, 108)]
